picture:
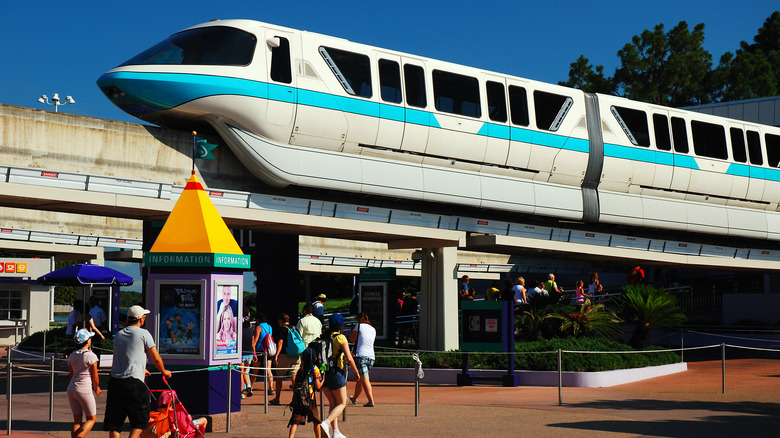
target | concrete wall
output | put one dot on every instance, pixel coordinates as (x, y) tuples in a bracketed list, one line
[(71, 143)]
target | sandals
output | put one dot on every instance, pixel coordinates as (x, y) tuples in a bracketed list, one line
[(369, 405), (274, 402), (353, 399)]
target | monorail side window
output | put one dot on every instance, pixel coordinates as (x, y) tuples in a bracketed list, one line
[(709, 140), (389, 81), (661, 130), (456, 94), (634, 124), (738, 151), (754, 148), (281, 66), (496, 100), (679, 135), (414, 80), (518, 105), (551, 109), (772, 150), (353, 70)]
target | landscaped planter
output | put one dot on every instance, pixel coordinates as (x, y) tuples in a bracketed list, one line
[(596, 379)]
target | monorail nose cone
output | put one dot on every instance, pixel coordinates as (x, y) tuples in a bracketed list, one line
[(126, 94)]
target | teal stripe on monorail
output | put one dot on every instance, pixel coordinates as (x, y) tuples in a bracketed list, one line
[(390, 112), (535, 137), (745, 170), (169, 90), (768, 174), (419, 117), (497, 131), (649, 156), (282, 93), (738, 170)]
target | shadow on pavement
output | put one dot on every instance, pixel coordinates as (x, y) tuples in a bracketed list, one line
[(739, 419)]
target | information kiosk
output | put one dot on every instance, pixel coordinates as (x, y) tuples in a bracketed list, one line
[(195, 284)]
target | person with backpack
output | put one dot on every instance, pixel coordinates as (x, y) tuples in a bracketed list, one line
[(263, 342), (285, 364), (308, 381), (335, 388)]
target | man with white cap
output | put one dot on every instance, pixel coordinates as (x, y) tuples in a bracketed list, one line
[(318, 307), (128, 396)]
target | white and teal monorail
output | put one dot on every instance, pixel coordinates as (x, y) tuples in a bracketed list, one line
[(300, 108)]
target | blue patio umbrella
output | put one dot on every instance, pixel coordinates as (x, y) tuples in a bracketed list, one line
[(85, 274)]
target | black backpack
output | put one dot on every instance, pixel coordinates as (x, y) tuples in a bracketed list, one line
[(322, 348), (301, 401), (301, 398)]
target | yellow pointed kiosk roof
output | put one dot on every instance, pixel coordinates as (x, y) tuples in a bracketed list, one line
[(195, 234)]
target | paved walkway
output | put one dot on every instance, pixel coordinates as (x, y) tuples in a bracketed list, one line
[(687, 404)]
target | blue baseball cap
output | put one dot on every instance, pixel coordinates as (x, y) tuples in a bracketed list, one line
[(336, 321), (82, 336)]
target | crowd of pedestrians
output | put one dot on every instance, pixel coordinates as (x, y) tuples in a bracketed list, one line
[(540, 293)]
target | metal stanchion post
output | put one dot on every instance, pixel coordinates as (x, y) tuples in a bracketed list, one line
[(43, 357), (8, 370), (560, 378), (416, 391), (229, 388), (682, 345), (346, 379), (51, 390), (265, 381), (723, 364), (322, 405), (10, 378)]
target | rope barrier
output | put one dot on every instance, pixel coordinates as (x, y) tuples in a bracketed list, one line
[(754, 348), (742, 338)]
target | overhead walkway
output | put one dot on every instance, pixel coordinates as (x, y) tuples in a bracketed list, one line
[(400, 229)]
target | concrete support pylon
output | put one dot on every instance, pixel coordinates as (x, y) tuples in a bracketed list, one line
[(439, 300)]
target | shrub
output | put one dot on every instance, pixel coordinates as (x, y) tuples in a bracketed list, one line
[(56, 341)]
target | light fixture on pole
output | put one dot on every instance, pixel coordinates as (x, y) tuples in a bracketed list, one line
[(55, 100)]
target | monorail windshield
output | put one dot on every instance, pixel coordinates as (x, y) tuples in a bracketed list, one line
[(216, 45)]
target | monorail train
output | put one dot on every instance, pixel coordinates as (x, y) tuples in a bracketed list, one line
[(300, 108)]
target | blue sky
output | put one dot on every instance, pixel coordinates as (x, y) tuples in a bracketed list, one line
[(64, 46)]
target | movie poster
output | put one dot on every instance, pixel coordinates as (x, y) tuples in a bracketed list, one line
[(180, 309), (226, 321)]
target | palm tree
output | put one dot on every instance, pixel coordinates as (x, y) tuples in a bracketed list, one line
[(588, 320), (528, 325), (645, 306)]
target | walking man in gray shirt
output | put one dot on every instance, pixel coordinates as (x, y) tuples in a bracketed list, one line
[(128, 396)]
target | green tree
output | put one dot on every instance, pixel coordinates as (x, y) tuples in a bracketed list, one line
[(754, 71), (589, 78), (644, 306), (64, 294), (587, 320), (671, 69)]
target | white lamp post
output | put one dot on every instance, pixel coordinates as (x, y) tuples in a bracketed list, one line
[(55, 100)]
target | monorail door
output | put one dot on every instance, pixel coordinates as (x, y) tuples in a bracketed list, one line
[(391, 110), (283, 49)]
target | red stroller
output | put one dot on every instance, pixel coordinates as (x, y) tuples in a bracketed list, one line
[(171, 419)]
